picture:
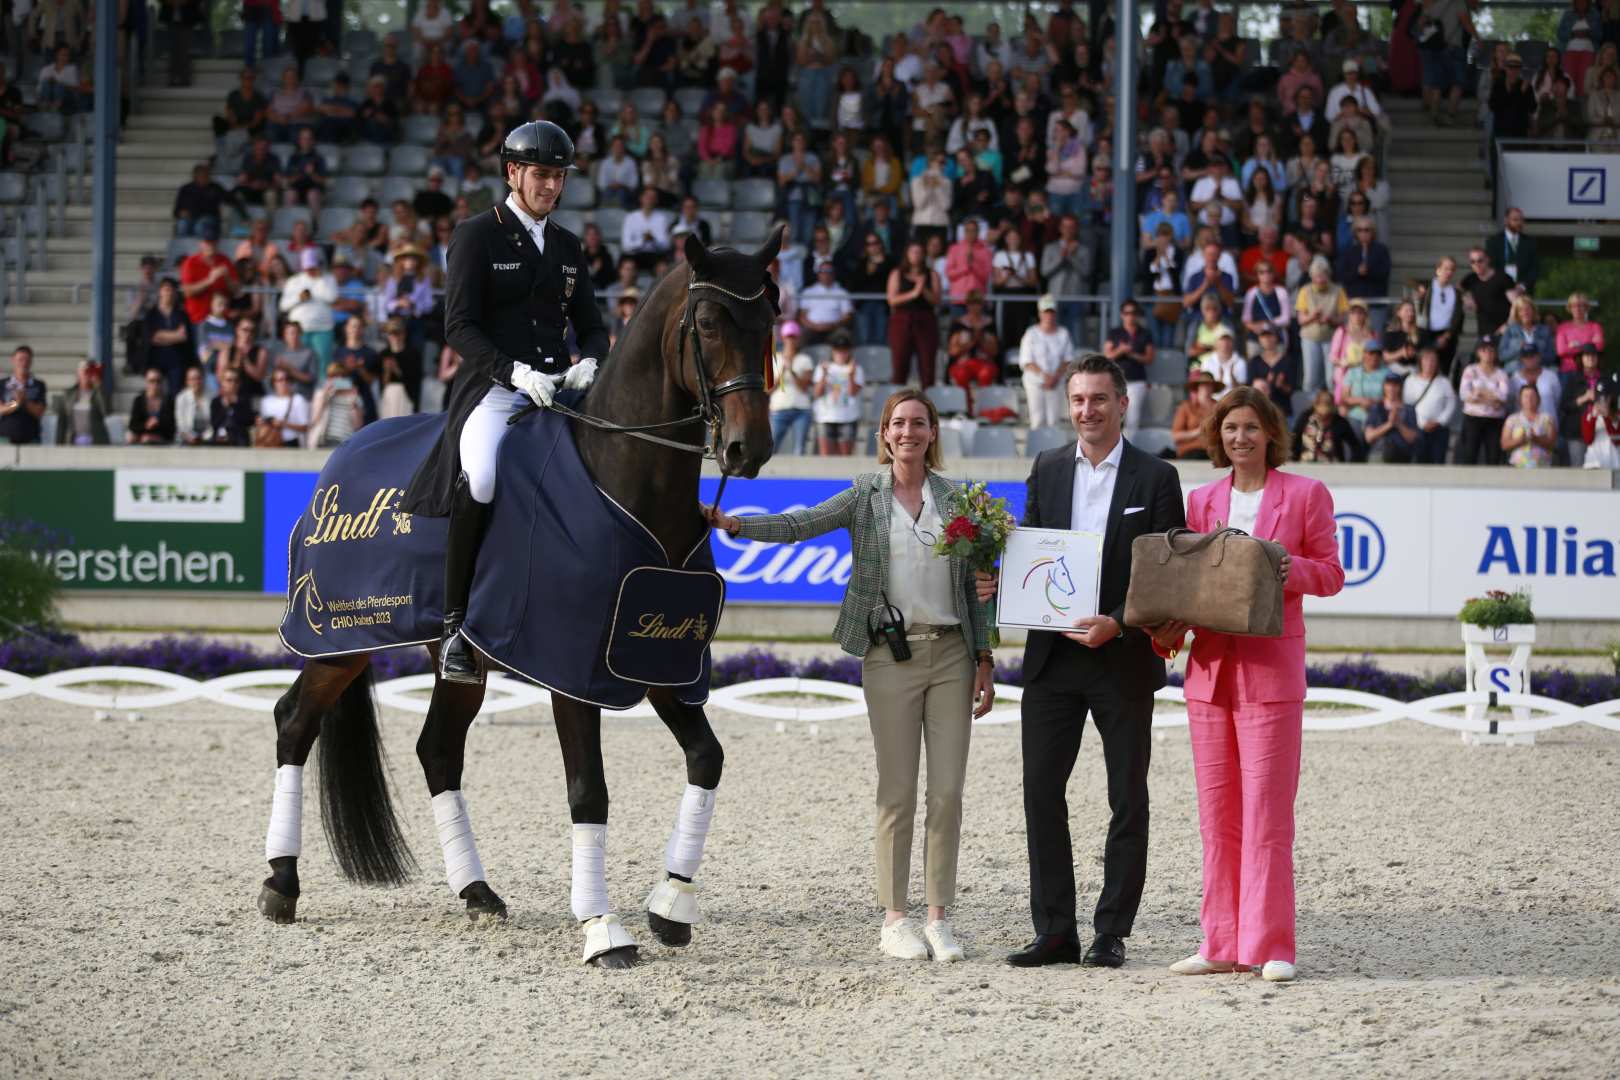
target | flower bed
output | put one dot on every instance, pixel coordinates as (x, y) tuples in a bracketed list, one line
[(200, 658)]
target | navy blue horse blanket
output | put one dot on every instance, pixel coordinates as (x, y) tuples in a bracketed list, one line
[(571, 592)]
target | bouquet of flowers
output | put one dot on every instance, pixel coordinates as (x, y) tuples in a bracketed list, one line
[(976, 532)]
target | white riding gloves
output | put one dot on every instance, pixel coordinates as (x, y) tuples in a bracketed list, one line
[(540, 387), (581, 375)]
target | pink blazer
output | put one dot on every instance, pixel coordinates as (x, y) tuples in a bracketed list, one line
[(1297, 513)]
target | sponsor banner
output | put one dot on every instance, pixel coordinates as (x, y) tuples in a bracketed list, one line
[(1407, 551), (813, 571), (1563, 186), (190, 495), (91, 547), (286, 494)]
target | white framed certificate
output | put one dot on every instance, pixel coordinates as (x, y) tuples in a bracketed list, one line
[(1049, 578)]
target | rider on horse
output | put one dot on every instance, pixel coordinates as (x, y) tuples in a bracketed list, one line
[(515, 280)]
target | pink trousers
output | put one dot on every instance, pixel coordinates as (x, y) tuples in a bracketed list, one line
[(1246, 758)]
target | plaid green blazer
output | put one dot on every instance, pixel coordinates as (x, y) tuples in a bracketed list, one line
[(864, 510)]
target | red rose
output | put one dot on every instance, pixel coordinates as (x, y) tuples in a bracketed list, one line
[(961, 528)]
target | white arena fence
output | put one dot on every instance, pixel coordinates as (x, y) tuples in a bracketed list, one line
[(132, 690)]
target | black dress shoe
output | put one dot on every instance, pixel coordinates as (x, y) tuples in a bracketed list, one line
[(1108, 950), (1047, 949)]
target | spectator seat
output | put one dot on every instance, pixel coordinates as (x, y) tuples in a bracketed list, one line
[(648, 100), (949, 400), (749, 227), (361, 42), (47, 428), (607, 104), (1159, 408), (331, 157), (610, 219), (397, 187), (117, 425), (475, 124), (348, 191), (13, 188), (1301, 401), (754, 193), (46, 126), (1047, 438), (1169, 368), (992, 442), (712, 194), (365, 159), (319, 71), (333, 219), (419, 130), (282, 223), (690, 99), (876, 394), (874, 362), (408, 160), (572, 220), (281, 151), (578, 194), (1152, 440), (994, 397)]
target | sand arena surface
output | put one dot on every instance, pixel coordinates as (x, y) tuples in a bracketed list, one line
[(1459, 916)]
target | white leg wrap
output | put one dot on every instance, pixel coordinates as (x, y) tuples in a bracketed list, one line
[(675, 900), (684, 852), (286, 832), (461, 864), (589, 896), (604, 934)]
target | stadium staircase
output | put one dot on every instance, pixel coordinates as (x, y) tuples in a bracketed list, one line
[(1438, 203)]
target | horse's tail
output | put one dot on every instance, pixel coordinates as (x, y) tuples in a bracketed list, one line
[(356, 807)]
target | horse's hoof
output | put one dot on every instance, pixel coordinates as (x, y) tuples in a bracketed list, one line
[(673, 934), (615, 959), (279, 909), (482, 903)]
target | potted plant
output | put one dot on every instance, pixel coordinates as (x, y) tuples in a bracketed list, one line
[(1499, 618)]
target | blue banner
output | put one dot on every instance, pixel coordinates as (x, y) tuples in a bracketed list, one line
[(286, 494), (813, 572)]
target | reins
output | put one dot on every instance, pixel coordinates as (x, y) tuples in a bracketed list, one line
[(706, 412)]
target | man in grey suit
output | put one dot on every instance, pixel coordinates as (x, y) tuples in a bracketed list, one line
[(1099, 483)]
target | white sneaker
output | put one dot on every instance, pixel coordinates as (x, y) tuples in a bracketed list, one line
[(902, 940), (1277, 971), (1197, 965), (942, 943)]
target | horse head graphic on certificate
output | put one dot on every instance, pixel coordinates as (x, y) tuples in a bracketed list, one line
[(1049, 578)]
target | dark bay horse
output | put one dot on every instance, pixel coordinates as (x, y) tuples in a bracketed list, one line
[(688, 371)]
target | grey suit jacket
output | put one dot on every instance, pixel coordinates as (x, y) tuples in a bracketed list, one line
[(864, 510)]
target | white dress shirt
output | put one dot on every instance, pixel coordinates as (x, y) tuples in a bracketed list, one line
[(919, 580), (639, 224), (535, 227), (1094, 489)]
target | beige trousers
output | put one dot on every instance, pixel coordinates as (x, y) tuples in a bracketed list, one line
[(924, 701)]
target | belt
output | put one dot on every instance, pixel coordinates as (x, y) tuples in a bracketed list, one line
[(929, 633)]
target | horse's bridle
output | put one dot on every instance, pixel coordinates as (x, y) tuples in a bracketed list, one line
[(707, 410)]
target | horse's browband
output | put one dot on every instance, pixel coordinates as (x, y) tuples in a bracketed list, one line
[(721, 288)]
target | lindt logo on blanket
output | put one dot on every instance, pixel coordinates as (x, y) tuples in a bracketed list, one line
[(333, 526), (652, 625)]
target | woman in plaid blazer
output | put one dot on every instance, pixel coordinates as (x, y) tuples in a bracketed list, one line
[(931, 698)]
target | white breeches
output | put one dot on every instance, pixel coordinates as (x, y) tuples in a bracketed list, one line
[(481, 439)]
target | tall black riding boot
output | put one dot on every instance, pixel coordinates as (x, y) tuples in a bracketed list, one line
[(458, 662)]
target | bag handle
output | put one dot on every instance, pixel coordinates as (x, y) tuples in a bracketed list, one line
[(1204, 540)]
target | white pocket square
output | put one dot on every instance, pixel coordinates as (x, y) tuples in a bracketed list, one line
[(1133, 510)]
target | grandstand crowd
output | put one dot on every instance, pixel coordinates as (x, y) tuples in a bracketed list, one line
[(948, 194)]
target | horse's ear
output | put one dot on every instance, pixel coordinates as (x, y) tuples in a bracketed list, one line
[(696, 253), (773, 244)]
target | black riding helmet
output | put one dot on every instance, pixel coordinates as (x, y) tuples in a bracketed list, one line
[(539, 142)]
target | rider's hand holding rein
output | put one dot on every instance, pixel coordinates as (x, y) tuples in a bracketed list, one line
[(540, 387), (720, 520)]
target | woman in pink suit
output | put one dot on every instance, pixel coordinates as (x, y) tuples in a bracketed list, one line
[(1246, 695)]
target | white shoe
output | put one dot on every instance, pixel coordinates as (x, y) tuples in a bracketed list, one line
[(902, 940), (1277, 971), (1197, 965), (942, 943)]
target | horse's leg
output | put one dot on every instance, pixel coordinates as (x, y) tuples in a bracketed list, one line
[(442, 750), (579, 732), (672, 907), (298, 721)]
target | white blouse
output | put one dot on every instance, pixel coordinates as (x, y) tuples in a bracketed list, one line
[(1245, 509), (919, 580)]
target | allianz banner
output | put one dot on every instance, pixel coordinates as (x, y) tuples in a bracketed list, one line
[(143, 528)]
